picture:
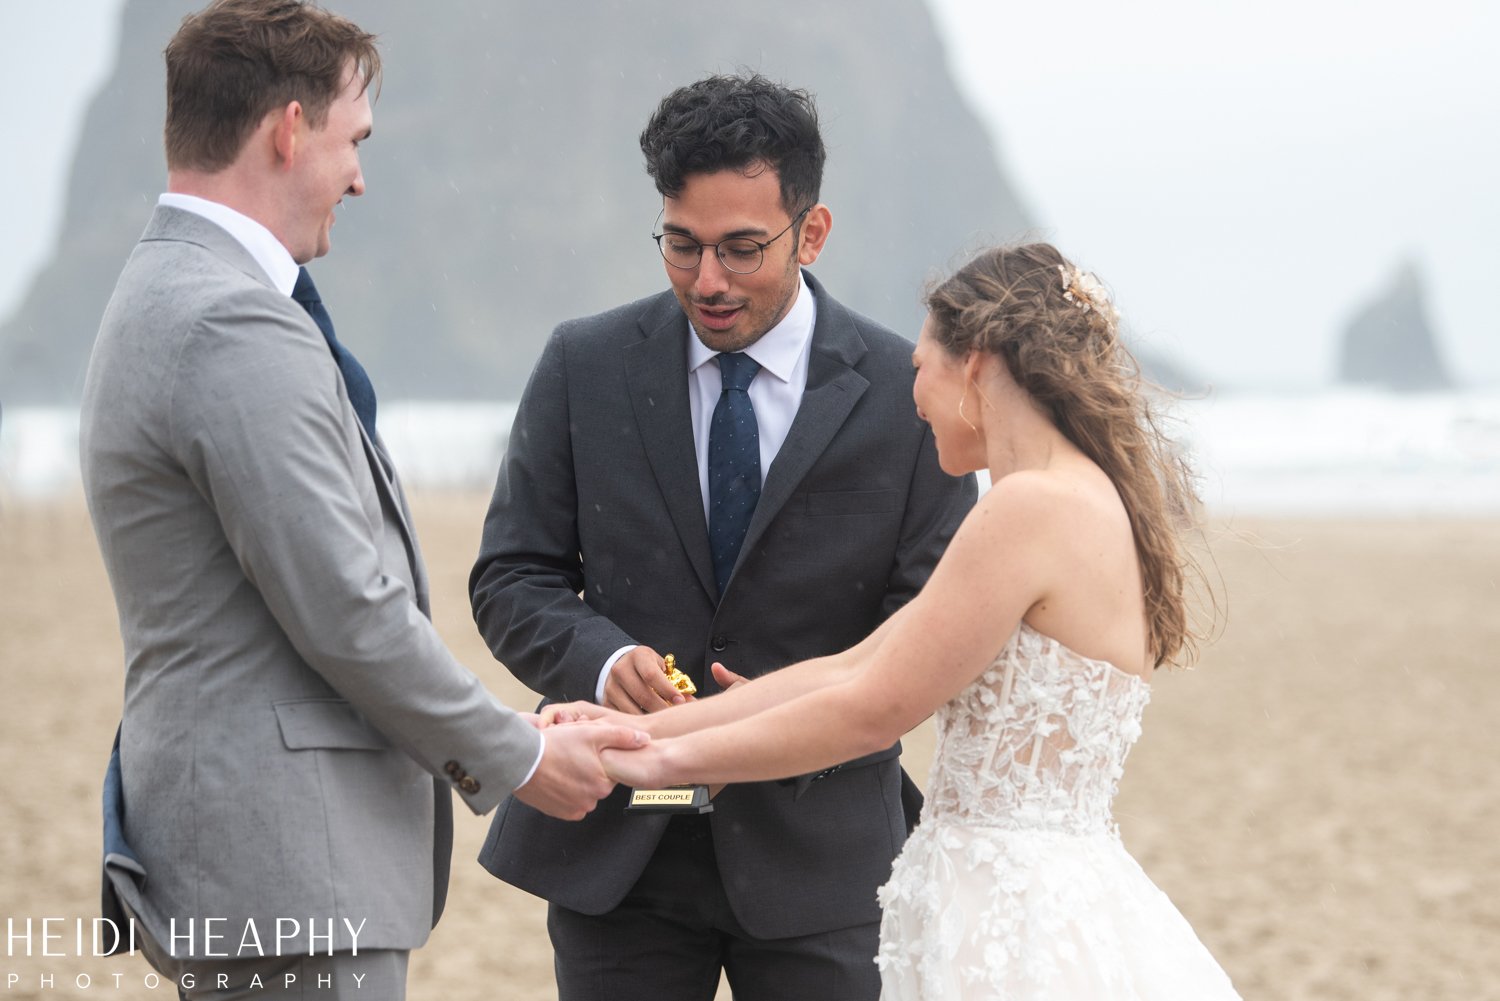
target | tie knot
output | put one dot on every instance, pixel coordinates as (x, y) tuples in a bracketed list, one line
[(737, 370), (305, 291)]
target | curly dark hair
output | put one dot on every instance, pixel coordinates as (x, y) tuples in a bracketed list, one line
[(737, 123), (235, 61), (1013, 302)]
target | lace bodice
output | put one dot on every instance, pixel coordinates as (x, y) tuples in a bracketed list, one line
[(1037, 741), (1016, 884)]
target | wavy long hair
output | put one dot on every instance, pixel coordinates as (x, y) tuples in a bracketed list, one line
[(1022, 304)]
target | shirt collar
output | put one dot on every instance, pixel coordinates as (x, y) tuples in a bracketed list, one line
[(778, 349), (273, 258)]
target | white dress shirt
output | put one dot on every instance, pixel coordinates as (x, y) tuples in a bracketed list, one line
[(276, 261), (775, 393)]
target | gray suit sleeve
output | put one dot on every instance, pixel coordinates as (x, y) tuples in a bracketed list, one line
[(525, 583), (935, 505), (259, 424)]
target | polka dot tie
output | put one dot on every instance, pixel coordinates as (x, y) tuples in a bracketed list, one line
[(733, 464)]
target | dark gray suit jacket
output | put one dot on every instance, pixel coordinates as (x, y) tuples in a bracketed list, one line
[(599, 495)]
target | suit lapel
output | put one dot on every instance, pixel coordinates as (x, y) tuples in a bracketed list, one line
[(389, 486), (656, 371), (833, 388), (168, 223)]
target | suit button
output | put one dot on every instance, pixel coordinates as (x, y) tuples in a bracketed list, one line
[(469, 784), (720, 644), (453, 768)]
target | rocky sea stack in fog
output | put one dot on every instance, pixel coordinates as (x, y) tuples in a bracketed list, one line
[(506, 191), (1389, 342)]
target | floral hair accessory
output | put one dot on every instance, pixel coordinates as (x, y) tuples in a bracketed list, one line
[(1087, 292)]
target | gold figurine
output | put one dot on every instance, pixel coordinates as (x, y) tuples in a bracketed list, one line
[(680, 681)]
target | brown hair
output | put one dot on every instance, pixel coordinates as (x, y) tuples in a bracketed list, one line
[(236, 61), (1021, 304)]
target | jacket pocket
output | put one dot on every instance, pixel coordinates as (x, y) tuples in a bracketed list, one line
[(828, 503), (308, 724)]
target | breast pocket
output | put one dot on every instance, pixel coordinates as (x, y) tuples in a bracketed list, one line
[(844, 536), (836, 503)]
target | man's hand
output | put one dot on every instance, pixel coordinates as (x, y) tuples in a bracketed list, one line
[(726, 678), (570, 780), (637, 684)]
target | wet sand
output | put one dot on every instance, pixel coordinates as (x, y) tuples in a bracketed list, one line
[(1319, 796)]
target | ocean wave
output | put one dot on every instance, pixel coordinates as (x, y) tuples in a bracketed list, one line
[(1315, 453)]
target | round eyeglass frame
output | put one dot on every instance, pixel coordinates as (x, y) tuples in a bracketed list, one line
[(760, 247)]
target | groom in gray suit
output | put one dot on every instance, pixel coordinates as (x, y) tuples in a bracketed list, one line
[(731, 471), (278, 808)]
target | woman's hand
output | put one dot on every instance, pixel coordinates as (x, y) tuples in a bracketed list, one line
[(641, 769), (582, 712)]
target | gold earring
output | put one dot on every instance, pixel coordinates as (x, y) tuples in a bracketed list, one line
[(961, 414)]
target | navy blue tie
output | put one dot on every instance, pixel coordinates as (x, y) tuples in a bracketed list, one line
[(356, 381), (733, 465)]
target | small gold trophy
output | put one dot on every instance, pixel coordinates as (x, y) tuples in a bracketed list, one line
[(679, 681), (677, 799)]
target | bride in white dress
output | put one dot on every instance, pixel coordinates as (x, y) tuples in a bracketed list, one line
[(1034, 642)]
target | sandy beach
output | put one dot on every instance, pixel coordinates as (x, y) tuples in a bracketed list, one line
[(1319, 796)]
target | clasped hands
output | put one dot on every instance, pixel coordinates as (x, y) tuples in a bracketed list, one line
[(637, 686)]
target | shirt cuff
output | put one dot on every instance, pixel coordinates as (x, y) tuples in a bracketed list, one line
[(541, 749), (604, 673)]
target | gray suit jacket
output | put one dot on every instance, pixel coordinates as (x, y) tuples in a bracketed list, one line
[(598, 495), (287, 701)]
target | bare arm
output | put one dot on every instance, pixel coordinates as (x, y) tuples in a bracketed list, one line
[(742, 700), (570, 779), (936, 505), (997, 568)]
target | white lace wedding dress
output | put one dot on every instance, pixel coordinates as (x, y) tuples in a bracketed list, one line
[(1016, 885)]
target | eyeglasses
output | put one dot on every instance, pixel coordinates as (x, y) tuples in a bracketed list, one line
[(741, 255)]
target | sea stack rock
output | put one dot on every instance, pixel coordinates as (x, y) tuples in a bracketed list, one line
[(506, 187), (1389, 342)]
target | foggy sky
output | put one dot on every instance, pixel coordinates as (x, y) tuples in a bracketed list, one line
[(1242, 175)]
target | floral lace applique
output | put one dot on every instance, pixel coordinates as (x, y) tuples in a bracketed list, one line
[(1016, 884)]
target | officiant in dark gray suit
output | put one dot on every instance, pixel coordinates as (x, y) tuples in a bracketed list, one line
[(731, 471), (278, 809)]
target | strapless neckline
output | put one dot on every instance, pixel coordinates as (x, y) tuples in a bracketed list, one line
[(1026, 627)]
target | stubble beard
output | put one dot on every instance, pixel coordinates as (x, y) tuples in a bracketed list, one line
[(727, 342)]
